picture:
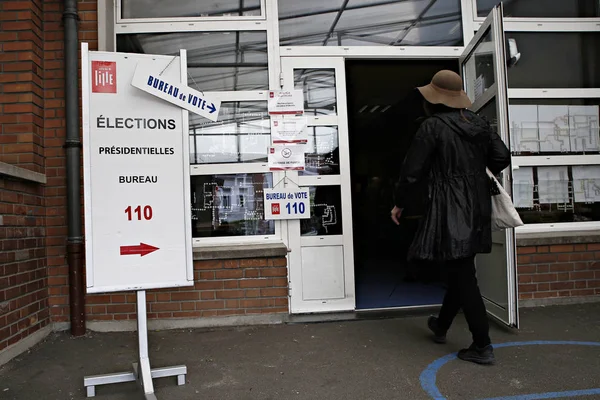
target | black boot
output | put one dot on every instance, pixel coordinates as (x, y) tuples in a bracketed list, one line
[(484, 356), (438, 335)]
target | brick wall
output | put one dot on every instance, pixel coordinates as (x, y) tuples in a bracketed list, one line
[(21, 84), (222, 287), (554, 271), (23, 293)]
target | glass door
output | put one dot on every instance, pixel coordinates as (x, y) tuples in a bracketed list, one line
[(483, 67), (321, 261)]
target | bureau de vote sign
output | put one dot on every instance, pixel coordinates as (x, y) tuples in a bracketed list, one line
[(136, 176)]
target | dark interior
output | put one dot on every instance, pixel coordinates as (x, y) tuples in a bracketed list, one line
[(383, 111)]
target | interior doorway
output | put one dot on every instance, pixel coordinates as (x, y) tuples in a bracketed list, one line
[(384, 111)]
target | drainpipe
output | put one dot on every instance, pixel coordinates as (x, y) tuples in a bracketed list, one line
[(73, 151)]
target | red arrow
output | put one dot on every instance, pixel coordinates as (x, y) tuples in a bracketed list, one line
[(142, 249)]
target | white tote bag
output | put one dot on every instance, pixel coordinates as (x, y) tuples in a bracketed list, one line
[(504, 213)]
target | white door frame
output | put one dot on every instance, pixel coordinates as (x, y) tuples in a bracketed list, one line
[(342, 280), (498, 280)]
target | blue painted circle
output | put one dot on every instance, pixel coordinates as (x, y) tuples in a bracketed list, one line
[(428, 377)]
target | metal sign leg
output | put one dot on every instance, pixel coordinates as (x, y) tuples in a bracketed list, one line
[(142, 373)]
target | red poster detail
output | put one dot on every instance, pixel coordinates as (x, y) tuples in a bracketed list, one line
[(275, 209), (104, 77)]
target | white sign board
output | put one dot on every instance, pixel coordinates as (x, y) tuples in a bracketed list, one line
[(289, 129), (153, 80), (136, 177), (286, 102), (286, 157), (479, 86), (287, 203)]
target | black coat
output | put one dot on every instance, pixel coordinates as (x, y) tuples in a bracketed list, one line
[(449, 155)]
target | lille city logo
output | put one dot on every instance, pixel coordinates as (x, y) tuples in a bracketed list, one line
[(275, 209), (104, 77)]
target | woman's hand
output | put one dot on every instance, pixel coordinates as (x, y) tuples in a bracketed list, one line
[(396, 213)]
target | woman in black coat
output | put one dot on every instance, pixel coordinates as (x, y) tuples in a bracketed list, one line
[(449, 154)]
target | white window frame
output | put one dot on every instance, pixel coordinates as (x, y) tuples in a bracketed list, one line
[(508, 20), (559, 228), (119, 20)]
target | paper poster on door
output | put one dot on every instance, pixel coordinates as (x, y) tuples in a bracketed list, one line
[(286, 102), (287, 203), (289, 129), (286, 157)]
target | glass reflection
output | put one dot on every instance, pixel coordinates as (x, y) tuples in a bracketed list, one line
[(322, 151), (370, 23), (319, 87), (325, 212), (189, 8), (230, 205), (479, 68), (242, 134), (542, 8)]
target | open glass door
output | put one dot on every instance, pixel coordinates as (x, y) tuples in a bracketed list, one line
[(483, 67), (321, 261)]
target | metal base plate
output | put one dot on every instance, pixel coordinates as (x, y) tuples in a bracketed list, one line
[(90, 382)]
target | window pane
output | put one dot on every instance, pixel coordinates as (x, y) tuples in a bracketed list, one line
[(188, 8), (230, 205), (555, 60), (370, 23), (325, 212), (318, 86), (479, 68), (242, 134), (557, 194), (555, 127), (217, 61), (542, 8), (322, 151)]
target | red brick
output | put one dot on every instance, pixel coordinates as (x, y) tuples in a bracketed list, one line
[(120, 308), (581, 275), (522, 260), (278, 262), (527, 269), (231, 264), (252, 273), (544, 277), (527, 250), (210, 305), (545, 295), (255, 303), (158, 307), (208, 285), (185, 296), (253, 263), (230, 294), (527, 288), (562, 285), (208, 264), (544, 258), (583, 292), (562, 248), (543, 268), (525, 279), (274, 292), (273, 272), (594, 284), (256, 283), (229, 312), (562, 267), (207, 295), (229, 274), (231, 284), (593, 246)]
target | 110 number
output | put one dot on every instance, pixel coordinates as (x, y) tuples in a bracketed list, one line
[(146, 213), (297, 208)]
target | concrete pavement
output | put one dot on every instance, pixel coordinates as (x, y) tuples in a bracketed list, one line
[(363, 359)]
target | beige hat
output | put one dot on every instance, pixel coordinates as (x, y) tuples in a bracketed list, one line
[(446, 88)]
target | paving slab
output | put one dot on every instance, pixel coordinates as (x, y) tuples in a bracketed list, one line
[(362, 359)]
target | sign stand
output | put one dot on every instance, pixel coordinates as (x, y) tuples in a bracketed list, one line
[(142, 373)]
